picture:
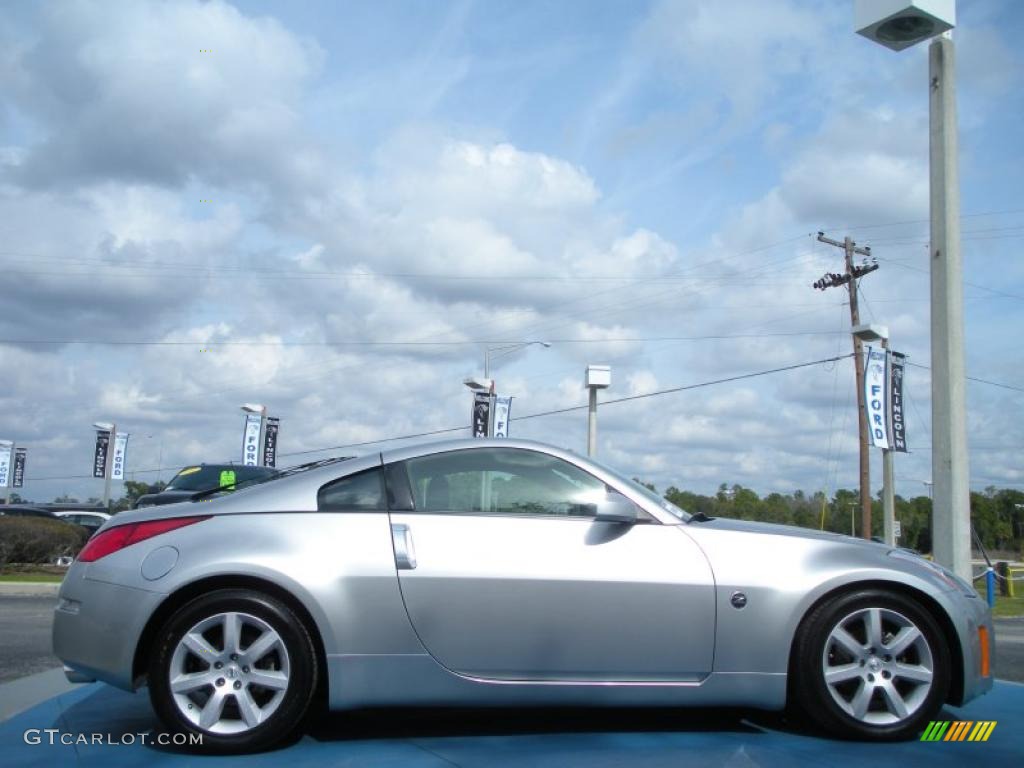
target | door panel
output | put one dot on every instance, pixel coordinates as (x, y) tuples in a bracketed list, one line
[(547, 598)]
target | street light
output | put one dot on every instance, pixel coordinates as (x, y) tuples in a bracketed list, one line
[(598, 377), (898, 24), (484, 388), (501, 350), (869, 333)]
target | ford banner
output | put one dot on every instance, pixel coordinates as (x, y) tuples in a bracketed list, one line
[(251, 440), (6, 448), (120, 456), (875, 396)]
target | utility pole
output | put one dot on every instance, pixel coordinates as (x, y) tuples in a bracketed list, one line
[(951, 511), (849, 279)]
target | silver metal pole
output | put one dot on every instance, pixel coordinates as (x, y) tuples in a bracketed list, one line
[(108, 466), (592, 423), (951, 507)]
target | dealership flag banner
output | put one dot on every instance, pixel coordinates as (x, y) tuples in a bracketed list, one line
[(251, 440), (481, 414), (875, 396), (502, 414), (120, 455), (270, 443), (99, 459), (19, 468), (897, 423), (6, 449)]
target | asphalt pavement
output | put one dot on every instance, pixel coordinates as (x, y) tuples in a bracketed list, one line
[(26, 647), (25, 643)]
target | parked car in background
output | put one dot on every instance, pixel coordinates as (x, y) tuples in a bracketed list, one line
[(505, 572), (86, 518), (204, 477), (25, 510)]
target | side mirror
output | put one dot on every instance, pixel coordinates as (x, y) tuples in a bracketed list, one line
[(616, 509)]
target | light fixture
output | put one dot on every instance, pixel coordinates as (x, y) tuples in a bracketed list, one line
[(899, 24)]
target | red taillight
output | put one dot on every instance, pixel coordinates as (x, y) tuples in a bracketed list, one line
[(121, 536)]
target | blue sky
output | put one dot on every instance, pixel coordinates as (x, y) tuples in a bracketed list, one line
[(603, 175)]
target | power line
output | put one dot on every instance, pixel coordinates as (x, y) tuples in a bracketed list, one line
[(570, 409), (974, 378), (468, 342)]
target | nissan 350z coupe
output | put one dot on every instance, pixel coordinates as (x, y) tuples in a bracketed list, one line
[(504, 573)]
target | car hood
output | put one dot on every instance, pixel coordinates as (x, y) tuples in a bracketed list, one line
[(775, 529)]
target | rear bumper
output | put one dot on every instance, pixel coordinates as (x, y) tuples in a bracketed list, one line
[(97, 626), (74, 676)]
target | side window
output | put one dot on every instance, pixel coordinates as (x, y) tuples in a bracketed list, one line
[(503, 481), (361, 492)]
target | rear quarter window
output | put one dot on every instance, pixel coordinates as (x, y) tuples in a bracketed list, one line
[(361, 492)]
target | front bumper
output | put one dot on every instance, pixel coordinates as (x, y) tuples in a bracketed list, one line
[(975, 627), (97, 626)]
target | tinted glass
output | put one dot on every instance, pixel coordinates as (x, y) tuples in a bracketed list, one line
[(503, 481), (202, 478), (362, 492)]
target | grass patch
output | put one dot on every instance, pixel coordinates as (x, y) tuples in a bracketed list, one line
[(23, 576), (1007, 607)]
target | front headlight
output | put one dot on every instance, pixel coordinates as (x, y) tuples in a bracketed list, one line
[(944, 575)]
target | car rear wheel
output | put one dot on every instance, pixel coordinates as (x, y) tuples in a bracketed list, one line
[(871, 665), (236, 667)]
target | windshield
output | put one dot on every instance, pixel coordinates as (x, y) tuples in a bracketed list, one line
[(204, 477), (644, 491)]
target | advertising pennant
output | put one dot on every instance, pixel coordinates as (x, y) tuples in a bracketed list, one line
[(875, 396)]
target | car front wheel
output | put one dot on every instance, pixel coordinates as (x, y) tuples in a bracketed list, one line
[(236, 667), (871, 665)]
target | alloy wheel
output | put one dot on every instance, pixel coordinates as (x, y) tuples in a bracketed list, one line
[(229, 673), (878, 666)]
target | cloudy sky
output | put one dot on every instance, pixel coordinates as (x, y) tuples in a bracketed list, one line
[(334, 208)]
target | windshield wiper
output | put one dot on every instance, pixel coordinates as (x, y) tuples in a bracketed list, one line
[(699, 517)]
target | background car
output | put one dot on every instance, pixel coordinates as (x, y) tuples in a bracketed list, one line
[(91, 520), (504, 572), (204, 477), (25, 510)]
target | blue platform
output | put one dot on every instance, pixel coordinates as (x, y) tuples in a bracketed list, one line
[(491, 738)]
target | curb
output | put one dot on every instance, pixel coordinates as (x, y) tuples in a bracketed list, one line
[(29, 588)]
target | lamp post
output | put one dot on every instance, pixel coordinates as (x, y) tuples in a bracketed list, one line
[(899, 24), (105, 426), (500, 350), (598, 377), (880, 333), (484, 389)]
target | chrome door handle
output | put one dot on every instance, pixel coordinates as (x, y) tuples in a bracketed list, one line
[(405, 554)]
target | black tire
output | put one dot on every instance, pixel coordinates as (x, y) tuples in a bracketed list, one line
[(289, 704), (818, 700)]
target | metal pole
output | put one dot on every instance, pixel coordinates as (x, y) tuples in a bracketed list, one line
[(592, 423), (107, 466), (951, 509), (888, 491)]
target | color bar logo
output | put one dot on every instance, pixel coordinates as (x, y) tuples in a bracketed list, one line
[(958, 730)]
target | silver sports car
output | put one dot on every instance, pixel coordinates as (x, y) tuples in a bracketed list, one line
[(502, 573)]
